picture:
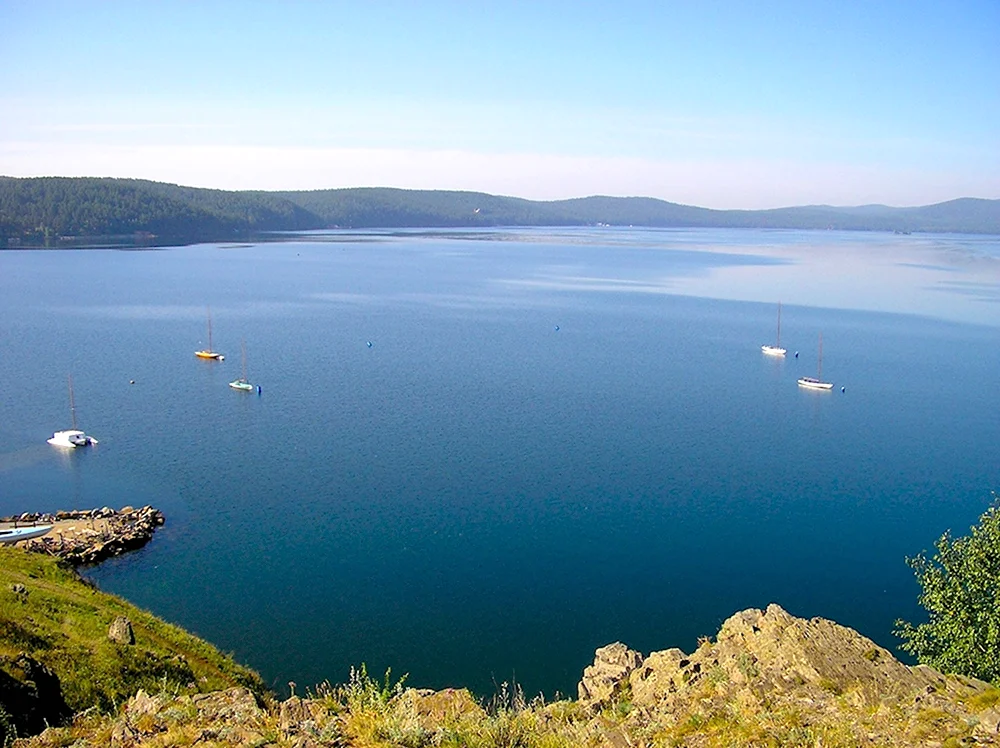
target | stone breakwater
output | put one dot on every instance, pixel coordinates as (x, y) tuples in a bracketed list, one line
[(90, 536)]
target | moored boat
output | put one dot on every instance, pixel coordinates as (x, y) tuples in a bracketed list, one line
[(776, 349), (71, 438), (208, 353), (816, 382), (243, 384)]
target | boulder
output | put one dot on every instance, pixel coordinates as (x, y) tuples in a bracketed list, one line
[(608, 675), (121, 632), (658, 675), (237, 705)]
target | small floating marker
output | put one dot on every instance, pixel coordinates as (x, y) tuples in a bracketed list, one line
[(557, 328), (369, 344), (259, 390), (131, 381), (843, 389), (796, 354)]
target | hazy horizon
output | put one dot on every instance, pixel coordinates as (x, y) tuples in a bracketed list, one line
[(725, 107)]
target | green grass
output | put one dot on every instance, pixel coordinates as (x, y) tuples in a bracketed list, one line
[(62, 621)]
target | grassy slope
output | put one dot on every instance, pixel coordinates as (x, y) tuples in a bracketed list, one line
[(63, 623)]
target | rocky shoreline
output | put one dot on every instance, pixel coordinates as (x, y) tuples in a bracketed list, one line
[(91, 535)]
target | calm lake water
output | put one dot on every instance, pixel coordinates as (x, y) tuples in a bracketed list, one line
[(555, 439)]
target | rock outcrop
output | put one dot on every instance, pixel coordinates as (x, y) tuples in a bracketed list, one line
[(609, 673), (233, 717), (31, 695), (769, 661)]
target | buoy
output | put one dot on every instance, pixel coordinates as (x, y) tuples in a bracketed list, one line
[(131, 381), (557, 328), (843, 389), (369, 344), (796, 354), (259, 390)]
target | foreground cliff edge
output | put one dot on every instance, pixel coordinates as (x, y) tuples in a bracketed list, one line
[(768, 678)]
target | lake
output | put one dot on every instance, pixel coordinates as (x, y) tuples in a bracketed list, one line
[(479, 455)]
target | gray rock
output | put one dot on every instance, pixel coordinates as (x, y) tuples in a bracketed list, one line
[(121, 631), (608, 675), (989, 723)]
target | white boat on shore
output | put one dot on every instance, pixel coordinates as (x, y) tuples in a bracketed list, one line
[(816, 382), (776, 349), (10, 535)]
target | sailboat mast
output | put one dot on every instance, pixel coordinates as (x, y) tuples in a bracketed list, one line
[(778, 343), (819, 364), (72, 405), (209, 328), (243, 347)]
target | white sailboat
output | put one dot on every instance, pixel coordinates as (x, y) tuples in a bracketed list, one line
[(817, 383), (776, 349), (71, 438), (242, 383)]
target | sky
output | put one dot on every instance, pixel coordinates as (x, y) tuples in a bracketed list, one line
[(719, 103)]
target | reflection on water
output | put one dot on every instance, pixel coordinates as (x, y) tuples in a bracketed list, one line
[(868, 272), (27, 457)]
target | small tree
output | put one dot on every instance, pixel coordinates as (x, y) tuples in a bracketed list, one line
[(961, 592)]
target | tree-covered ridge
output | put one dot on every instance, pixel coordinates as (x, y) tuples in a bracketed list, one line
[(44, 209), (59, 210)]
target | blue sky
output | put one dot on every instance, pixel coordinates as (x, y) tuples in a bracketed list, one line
[(721, 104)]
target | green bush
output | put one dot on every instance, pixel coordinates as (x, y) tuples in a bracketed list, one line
[(960, 588)]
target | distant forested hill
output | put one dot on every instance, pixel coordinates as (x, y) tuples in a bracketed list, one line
[(58, 211)]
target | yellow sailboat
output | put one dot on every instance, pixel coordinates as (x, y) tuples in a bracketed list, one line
[(208, 353)]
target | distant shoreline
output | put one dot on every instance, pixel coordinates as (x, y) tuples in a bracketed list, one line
[(58, 212), (62, 244)]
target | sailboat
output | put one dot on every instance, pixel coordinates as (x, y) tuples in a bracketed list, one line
[(73, 437), (242, 383), (208, 353), (776, 349), (817, 383)]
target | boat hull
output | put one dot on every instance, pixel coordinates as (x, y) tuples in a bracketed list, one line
[(17, 534), (242, 386), (811, 383), (773, 350), (71, 439), (210, 355)]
